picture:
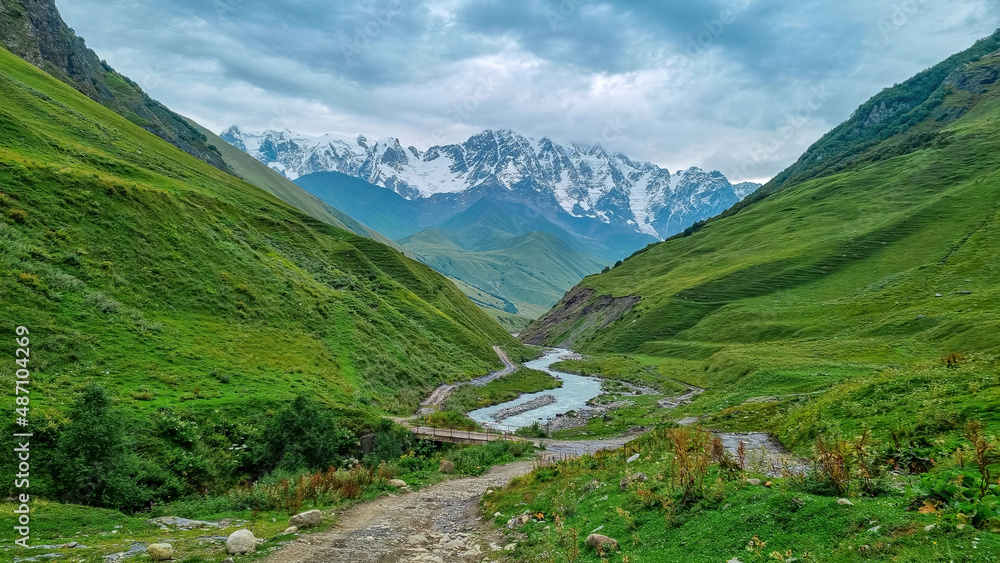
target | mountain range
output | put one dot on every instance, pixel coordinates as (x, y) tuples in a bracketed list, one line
[(581, 182), (600, 206)]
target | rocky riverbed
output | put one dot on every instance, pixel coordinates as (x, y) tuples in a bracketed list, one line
[(531, 405)]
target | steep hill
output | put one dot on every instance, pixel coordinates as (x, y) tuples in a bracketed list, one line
[(880, 245), (34, 30), (181, 287)]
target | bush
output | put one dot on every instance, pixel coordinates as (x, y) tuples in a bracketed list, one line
[(477, 460), (94, 464), (392, 441), (302, 436), (450, 419)]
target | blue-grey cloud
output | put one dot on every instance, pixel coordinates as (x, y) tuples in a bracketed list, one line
[(712, 83)]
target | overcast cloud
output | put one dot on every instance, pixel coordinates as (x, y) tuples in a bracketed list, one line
[(742, 86)]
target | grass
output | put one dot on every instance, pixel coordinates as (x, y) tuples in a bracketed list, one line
[(718, 515)]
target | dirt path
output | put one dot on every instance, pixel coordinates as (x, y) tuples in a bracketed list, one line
[(437, 398), (439, 524)]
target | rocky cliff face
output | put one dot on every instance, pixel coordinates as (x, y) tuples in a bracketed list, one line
[(34, 30)]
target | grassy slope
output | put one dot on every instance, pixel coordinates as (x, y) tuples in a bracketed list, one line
[(143, 269), (821, 292), (793, 518)]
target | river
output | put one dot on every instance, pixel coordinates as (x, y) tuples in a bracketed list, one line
[(573, 395)]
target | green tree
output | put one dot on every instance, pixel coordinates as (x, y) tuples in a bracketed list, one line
[(303, 435), (94, 463)]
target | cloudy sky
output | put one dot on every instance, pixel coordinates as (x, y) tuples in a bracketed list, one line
[(742, 86)]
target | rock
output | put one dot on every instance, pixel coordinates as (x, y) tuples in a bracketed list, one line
[(632, 458), (597, 541), (518, 521), (241, 542), (629, 479), (938, 295), (844, 502), (70, 545), (753, 481), (929, 528), (734, 560), (291, 530), (160, 552), (398, 483), (306, 519), (509, 547), (446, 466)]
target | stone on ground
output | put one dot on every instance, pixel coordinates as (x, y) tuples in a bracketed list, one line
[(160, 552), (600, 541), (446, 466), (306, 519), (241, 542)]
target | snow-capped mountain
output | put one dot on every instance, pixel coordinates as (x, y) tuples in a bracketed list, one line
[(583, 181)]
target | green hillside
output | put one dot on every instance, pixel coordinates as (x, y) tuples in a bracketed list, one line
[(188, 293), (892, 260), (528, 273), (852, 310)]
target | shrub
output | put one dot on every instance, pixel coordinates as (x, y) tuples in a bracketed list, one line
[(391, 442), (18, 215), (94, 464), (449, 419), (536, 430), (302, 436)]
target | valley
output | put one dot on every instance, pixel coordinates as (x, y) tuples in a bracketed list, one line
[(517, 220), (265, 345)]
